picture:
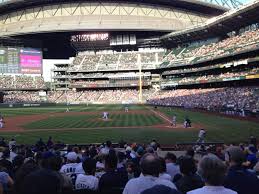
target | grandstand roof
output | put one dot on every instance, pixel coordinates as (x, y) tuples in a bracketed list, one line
[(202, 6), (217, 26)]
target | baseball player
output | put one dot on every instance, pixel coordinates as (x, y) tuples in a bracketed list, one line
[(201, 136), (126, 109), (105, 115), (1, 122), (173, 121), (67, 109)]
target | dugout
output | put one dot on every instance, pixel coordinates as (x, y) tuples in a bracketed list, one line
[(1, 97)]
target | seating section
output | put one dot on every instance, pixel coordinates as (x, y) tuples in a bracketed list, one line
[(117, 61), (193, 54), (213, 77), (21, 97), (21, 82), (213, 98)]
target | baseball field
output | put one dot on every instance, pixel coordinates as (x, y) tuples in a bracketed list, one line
[(84, 124)]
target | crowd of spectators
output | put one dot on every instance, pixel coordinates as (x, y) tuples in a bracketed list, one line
[(238, 98), (22, 97), (220, 77), (94, 96), (129, 168), (213, 98), (244, 41), (85, 96), (6, 81), (117, 61), (21, 82)]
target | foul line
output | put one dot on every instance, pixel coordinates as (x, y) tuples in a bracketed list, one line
[(159, 114)]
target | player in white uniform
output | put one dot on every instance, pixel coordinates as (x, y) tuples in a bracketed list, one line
[(1, 122), (173, 121), (67, 110), (105, 115), (201, 136), (126, 109)]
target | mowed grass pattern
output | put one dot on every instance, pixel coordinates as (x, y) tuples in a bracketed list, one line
[(219, 128), (95, 121), (10, 112)]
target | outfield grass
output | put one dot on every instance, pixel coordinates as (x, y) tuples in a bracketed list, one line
[(219, 128), (9, 112), (95, 121)]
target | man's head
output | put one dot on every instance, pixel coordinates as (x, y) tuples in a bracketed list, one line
[(187, 165), (235, 156), (190, 152), (111, 161), (212, 170), (108, 144), (71, 157), (150, 165), (162, 165), (41, 182), (170, 158), (89, 166)]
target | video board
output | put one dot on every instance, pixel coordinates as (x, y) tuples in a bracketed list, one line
[(20, 60)]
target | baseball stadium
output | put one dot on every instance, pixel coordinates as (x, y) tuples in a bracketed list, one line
[(148, 75)]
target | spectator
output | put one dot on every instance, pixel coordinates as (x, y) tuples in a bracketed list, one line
[(50, 142), (6, 163), (251, 158), (149, 165), (41, 182), (107, 148), (70, 167), (21, 173), (171, 167), (6, 181), (238, 177), (112, 178), (162, 172), (132, 170), (53, 162), (87, 180), (189, 180), (213, 171)]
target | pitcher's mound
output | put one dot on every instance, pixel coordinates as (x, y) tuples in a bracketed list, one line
[(101, 119)]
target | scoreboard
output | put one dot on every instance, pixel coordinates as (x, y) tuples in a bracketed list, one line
[(20, 60)]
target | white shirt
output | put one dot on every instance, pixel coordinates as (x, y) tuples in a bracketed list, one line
[(212, 190), (201, 134), (79, 169), (86, 182), (105, 150), (165, 176), (70, 170), (137, 185), (172, 169)]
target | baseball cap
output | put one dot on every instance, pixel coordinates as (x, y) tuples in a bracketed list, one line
[(129, 149), (71, 156)]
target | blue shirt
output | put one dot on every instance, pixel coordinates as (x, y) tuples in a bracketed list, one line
[(4, 180), (242, 181)]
